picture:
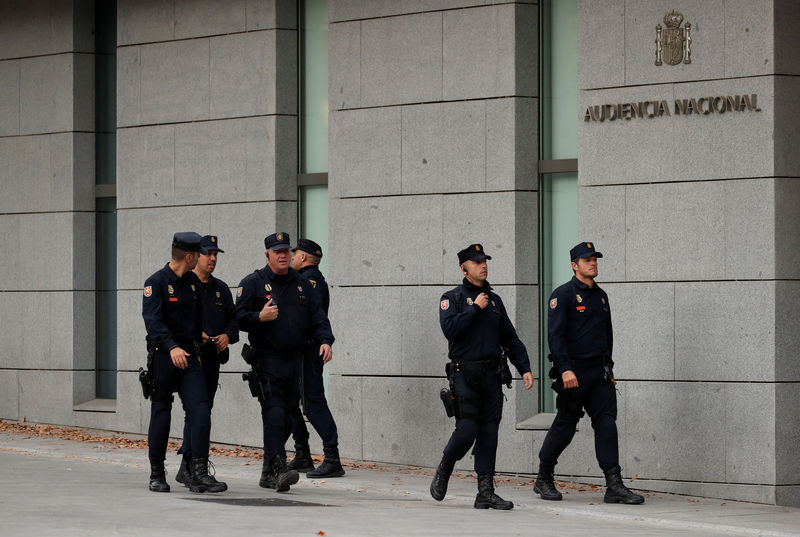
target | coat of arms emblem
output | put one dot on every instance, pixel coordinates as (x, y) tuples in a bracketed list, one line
[(673, 43)]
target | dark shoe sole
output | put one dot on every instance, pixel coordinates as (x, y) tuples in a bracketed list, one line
[(337, 473), (617, 499), (183, 481), (266, 484), (159, 489), (548, 498), (286, 479), (436, 496), (493, 506)]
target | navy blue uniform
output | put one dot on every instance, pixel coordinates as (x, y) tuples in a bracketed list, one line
[(580, 337), (314, 402), (280, 343), (218, 318), (476, 335), (172, 311)]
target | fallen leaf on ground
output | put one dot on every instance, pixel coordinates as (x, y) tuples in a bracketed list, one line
[(634, 478)]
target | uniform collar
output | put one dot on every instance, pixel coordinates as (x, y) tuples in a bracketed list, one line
[(307, 268), (171, 276), (469, 285), (291, 275), (582, 285)]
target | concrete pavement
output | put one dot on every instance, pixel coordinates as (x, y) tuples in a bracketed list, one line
[(52, 486)]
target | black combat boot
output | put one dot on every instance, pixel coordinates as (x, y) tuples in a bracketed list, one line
[(282, 475), (184, 474), (201, 481), (267, 480), (545, 484), (331, 466), (440, 479), (486, 498), (158, 478), (617, 492), (302, 459)]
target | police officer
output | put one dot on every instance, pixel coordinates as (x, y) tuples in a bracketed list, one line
[(581, 340), (478, 329), (220, 329), (281, 314), (307, 255), (172, 312)]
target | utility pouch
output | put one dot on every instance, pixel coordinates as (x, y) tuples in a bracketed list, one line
[(504, 372), (249, 354), (473, 374), (254, 383)]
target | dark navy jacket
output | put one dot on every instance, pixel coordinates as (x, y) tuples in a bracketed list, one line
[(300, 314), (476, 334), (219, 316), (172, 308), (578, 324), (317, 280)]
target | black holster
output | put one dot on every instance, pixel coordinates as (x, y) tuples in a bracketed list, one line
[(253, 377), (146, 376), (503, 371)]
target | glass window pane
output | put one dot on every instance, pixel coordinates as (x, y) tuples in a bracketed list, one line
[(314, 87)]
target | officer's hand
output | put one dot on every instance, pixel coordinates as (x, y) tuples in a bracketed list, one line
[(179, 357), (326, 352), (268, 312), (527, 379), (221, 342), (205, 338), (482, 300), (569, 379)]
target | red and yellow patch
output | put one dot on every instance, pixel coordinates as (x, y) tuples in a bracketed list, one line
[(553, 303), (148, 291), (444, 304)]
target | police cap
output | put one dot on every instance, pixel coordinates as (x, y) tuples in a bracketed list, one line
[(308, 246), (584, 249), (473, 252), (211, 242), (188, 241), (277, 241)]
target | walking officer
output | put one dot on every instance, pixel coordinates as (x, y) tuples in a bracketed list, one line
[(281, 314), (581, 340), (220, 329), (307, 255), (478, 330), (172, 310)]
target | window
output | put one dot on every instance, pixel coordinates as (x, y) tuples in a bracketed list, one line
[(558, 164), (106, 201), (313, 155)]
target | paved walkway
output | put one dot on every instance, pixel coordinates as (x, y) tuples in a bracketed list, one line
[(51, 486)]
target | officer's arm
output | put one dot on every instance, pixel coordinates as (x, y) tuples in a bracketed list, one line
[(246, 312), (557, 331), (326, 297), (609, 333), (320, 324), (454, 323), (153, 314), (509, 339), (231, 323)]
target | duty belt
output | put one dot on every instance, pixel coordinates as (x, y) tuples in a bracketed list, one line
[(594, 361), (189, 346), (457, 367), (286, 355)]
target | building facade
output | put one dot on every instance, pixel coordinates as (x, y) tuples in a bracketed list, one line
[(395, 133)]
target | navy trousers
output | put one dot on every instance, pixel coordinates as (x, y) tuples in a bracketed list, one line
[(210, 365), (281, 380), (481, 412), (192, 390), (314, 404), (597, 395)]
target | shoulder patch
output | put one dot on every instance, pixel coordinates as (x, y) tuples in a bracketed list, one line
[(239, 292), (313, 283), (148, 291), (445, 304), (553, 303)]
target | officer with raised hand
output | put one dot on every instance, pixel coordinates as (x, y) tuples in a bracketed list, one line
[(581, 341), (307, 255), (220, 329), (172, 312), (478, 330), (281, 314)]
